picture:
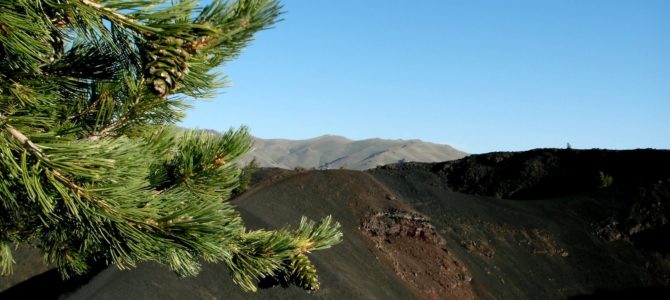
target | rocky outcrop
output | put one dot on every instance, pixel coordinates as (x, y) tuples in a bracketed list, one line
[(410, 243)]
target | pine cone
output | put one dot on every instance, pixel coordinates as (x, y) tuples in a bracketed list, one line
[(304, 273), (298, 271), (165, 64)]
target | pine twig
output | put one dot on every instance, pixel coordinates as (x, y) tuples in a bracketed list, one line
[(107, 130), (80, 191), (88, 109), (23, 139), (121, 18), (34, 149)]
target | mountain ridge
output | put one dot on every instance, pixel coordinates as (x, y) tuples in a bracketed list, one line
[(338, 152)]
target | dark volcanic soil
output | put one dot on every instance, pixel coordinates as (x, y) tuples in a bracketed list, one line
[(542, 224), (390, 259), (383, 255)]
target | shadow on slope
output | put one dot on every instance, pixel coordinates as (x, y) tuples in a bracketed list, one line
[(48, 285), (648, 293)]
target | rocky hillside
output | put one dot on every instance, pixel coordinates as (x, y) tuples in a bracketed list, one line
[(389, 250), (550, 223), (541, 224), (335, 152)]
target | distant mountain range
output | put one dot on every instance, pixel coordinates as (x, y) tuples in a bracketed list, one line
[(336, 152)]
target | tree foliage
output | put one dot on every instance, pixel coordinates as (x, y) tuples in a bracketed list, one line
[(91, 165), (246, 173)]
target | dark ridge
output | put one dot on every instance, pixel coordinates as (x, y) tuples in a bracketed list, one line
[(545, 173), (582, 231), (647, 293)]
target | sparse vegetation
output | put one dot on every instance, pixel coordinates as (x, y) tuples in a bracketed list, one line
[(245, 177), (605, 179)]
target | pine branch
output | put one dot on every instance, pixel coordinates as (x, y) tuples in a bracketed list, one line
[(90, 164), (78, 190), (35, 150), (145, 227)]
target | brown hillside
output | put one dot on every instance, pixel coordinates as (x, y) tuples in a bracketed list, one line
[(377, 223), (389, 250), (579, 225)]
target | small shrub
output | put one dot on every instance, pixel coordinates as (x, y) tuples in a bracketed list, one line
[(245, 177), (605, 180)]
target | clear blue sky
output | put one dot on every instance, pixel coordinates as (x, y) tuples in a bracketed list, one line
[(478, 75)]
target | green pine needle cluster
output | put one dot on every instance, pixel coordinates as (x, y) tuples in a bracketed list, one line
[(92, 168)]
